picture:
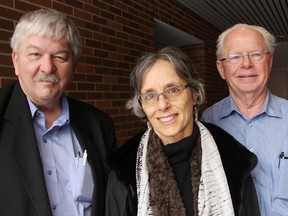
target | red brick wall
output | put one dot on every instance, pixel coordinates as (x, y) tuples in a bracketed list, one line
[(114, 34)]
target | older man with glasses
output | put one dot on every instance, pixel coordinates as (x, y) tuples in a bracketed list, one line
[(251, 113)]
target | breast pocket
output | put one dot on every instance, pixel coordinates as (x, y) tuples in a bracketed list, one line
[(281, 187), (84, 186)]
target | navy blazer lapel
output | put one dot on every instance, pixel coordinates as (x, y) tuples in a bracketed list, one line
[(22, 136)]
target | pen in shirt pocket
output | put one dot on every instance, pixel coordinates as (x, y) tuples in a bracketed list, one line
[(281, 156), (85, 155), (77, 159)]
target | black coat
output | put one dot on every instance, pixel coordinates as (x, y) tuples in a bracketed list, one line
[(121, 197), (22, 186)]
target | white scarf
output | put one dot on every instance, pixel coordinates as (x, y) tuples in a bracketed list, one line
[(214, 195)]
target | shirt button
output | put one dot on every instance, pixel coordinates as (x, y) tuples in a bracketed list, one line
[(49, 172), (250, 124), (54, 207), (45, 140), (251, 150)]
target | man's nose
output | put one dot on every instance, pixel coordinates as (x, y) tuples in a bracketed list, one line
[(47, 64), (246, 61)]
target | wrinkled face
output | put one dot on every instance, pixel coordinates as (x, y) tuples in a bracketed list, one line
[(44, 68), (172, 120), (248, 75)]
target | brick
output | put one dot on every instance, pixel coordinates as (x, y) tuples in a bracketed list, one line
[(114, 35)]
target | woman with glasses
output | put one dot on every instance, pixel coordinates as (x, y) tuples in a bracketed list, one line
[(178, 166)]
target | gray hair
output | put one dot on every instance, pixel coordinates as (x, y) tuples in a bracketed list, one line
[(48, 23), (183, 67), (269, 39)]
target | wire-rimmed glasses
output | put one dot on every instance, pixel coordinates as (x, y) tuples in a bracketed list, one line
[(170, 94), (253, 56)]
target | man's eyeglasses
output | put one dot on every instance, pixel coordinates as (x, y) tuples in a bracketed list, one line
[(171, 94), (253, 56)]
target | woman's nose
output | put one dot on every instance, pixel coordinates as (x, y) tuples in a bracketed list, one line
[(163, 103)]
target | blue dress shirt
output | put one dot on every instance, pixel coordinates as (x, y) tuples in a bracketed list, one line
[(67, 174), (266, 134)]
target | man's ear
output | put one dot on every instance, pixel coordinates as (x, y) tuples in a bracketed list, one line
[(219, 65), (15, 60)]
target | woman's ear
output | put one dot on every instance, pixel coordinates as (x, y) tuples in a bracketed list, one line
[(195, 98)]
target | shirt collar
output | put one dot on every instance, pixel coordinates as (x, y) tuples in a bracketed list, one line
[(33, 108), (270, 107), (228, 107), (65, 109)]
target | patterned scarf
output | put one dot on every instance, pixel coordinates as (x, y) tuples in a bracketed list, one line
[(214, 196)]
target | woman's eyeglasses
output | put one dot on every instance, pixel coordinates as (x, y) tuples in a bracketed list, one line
[(170, 94)]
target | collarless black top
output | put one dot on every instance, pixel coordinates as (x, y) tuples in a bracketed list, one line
[(179, 156)]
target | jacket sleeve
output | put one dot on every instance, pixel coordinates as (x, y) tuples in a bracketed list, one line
[(116, 197), (121, 195), (250, 201)]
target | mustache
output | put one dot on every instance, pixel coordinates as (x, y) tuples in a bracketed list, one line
[(51, 78)]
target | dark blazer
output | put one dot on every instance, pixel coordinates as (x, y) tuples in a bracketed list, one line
[(22, 186), (121, 198)]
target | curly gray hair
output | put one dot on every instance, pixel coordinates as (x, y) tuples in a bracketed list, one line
[(48, 23)]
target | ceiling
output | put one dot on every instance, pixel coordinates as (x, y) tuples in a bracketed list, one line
[(271, 14)]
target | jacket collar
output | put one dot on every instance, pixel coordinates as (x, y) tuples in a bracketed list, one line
[(25, 148)]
